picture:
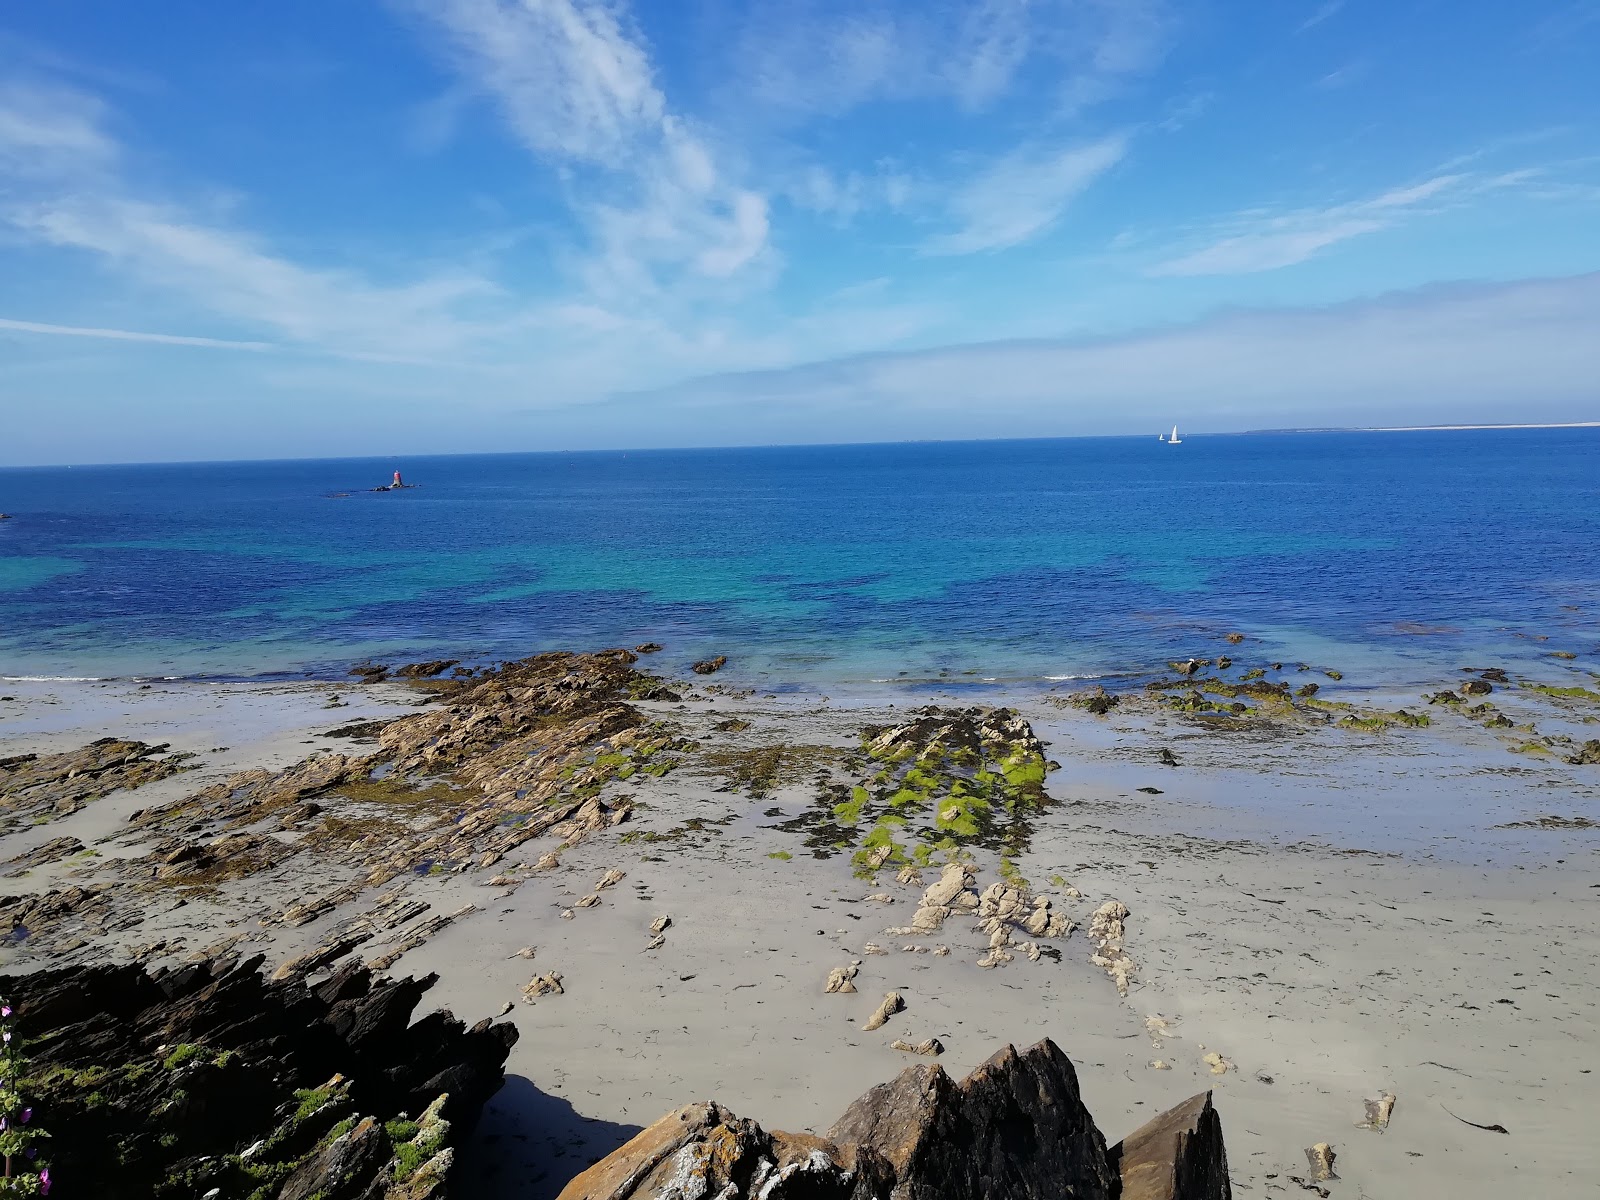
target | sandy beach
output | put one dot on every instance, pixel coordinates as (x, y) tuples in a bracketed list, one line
[(1316, 915)]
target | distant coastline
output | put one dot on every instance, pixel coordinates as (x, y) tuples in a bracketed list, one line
[(1435, 428)]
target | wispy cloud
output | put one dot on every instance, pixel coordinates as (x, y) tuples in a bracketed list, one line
[(1440, 354), (824, 58), (129, 335), (1023, 195), (1266, 241), (1323, 13), (576, 86), (67, 190), (566, 73)]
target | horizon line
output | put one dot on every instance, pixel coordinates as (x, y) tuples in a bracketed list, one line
[(390, 457)]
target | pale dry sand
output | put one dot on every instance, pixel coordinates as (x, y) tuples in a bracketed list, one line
[(1333, 912)]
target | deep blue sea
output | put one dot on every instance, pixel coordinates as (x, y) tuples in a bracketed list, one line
[(1387, 555)]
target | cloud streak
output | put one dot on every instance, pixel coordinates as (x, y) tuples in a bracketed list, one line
[(577, 87), (1437, 355), (129, 335), (1262, 241), (1023, 195), (824, 58)]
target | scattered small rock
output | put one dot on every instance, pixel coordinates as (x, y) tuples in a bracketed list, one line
[(839, 980), (1106, 931), (1379, 1108), (1218, 1064), (893, 1002), (710, 666), (542, 985), (1320, 1158), (933, 1047)]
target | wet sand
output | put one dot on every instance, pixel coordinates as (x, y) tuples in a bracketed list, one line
[(1334, 913)]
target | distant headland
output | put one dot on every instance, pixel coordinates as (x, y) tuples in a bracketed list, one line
[(1435, 428)]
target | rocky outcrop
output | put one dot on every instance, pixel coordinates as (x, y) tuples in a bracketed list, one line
[(946, 776), (174, 1083), (39, 787), (710, 666), (1587, 755), (1015, 1129), (426, 670), (1177, 1156)]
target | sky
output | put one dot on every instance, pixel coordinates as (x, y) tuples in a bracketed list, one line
[(403, 226)]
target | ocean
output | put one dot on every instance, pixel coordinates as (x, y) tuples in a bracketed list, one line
[(1388, 556)]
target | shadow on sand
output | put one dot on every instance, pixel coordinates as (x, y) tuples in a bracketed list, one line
[(529, 1144)]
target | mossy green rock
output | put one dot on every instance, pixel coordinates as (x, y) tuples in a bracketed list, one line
[(946, 779)]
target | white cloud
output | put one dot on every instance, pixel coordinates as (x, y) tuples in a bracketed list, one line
[(1263, 241), (1522, 351), (826, 57), (567, 75), (65, 189), (1323, 13), (45, 129), (1022, 195), (576, 86), (128, 335)]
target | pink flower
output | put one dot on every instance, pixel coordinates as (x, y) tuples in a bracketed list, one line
[(5, 1010), (44, 1182)]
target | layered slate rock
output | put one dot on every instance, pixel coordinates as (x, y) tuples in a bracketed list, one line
[(1177, 1156), (35, 788), (170, 1084), (704, 1150), (1015, 1129)]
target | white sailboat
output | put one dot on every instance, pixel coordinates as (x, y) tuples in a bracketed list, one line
[(1174, 440)]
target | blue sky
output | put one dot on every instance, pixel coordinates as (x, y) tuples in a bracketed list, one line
[(308, 229)]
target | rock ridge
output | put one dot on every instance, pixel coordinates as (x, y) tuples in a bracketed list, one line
[(1015, 1129)]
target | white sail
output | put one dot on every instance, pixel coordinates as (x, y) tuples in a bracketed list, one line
[(1174, 439)]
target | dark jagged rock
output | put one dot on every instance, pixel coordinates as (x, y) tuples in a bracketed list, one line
[(1476, 687), (710, 666), (1177, 1156), (172, 1083), (1098, 702), (649, 648), (1015, 1129), (363, 730), (426, 670), (370, 671)]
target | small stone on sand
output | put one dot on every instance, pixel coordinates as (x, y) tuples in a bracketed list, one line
[(893, 1002)]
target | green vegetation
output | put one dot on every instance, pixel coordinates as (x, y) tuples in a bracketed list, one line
[(946, 780), (181, 1054), (1565, 693)]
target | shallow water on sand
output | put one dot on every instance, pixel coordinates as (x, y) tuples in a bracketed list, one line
[(1388, 555)]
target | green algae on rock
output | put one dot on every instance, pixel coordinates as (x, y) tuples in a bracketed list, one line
[(945, 780)]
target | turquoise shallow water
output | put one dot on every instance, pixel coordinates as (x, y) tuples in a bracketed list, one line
[(821, 567)]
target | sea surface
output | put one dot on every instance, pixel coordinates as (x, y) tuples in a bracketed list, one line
[(1388, 556)]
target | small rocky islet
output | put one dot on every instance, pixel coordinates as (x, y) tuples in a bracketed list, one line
[(171, 1070)]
